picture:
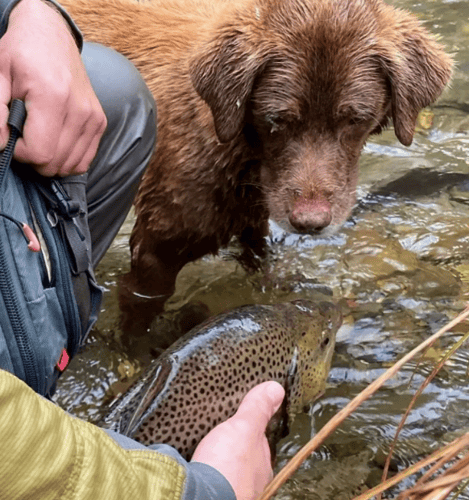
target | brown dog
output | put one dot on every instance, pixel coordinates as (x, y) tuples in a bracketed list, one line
[(263, 109)]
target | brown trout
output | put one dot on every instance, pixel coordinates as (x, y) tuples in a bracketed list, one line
[(201, 379)]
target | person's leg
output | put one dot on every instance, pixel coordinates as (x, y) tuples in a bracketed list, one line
[(125, 149)]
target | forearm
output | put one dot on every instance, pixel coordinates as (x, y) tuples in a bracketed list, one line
[(202, 481), (6, 6), (45, 453)]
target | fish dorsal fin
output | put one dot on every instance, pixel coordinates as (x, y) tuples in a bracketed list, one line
[(150, 390)]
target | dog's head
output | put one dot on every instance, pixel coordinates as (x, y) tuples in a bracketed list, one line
[(305, 82)]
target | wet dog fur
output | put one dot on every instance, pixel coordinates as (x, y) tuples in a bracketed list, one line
[(263, 109)]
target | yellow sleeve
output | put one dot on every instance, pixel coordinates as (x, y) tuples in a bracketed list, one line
[(47, 454)]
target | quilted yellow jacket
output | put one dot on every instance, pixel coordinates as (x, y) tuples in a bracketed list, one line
[(47, 454)]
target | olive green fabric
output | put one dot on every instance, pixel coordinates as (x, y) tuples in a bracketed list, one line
[(45, 453)]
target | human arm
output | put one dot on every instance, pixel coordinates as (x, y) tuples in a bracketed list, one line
[(40, 63), (6, 6), (45, 453)]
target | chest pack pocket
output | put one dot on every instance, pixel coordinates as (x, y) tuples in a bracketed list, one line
[(49, 299)]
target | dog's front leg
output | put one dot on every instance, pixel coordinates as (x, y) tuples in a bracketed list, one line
[(254, 246), (144, 290)]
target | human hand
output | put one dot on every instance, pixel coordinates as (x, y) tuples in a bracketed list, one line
[(40, 64), (238, 447)]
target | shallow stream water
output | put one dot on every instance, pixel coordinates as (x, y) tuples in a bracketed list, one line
[(400, 266)]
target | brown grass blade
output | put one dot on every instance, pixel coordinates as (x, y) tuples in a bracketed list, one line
[(439, 457), (419, 391)]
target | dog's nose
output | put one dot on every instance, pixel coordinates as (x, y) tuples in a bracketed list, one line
[(310, 215), (316, 221)]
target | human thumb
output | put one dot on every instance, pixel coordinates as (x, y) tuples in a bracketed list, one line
[(261, 402)]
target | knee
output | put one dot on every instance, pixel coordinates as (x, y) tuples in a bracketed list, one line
[(126, 100)]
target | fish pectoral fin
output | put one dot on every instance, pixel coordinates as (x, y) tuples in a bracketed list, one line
[(277, 428), (279, 425), (292, 381)]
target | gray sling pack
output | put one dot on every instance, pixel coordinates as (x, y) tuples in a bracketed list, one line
[(49, 299)]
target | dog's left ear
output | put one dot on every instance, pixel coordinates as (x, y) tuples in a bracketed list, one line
[(418, 70), (223, 73)]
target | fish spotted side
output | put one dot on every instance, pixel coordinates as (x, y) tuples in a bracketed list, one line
[(201, 379)]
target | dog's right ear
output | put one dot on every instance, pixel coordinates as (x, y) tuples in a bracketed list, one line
[(223, 73)]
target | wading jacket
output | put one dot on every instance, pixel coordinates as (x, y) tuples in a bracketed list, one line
[(47, 454)]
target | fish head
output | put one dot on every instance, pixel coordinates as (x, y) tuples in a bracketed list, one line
[(316, 331)]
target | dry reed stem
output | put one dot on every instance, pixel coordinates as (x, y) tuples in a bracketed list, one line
[(296, 461), (439, 456), (419, 391), (438, 488)]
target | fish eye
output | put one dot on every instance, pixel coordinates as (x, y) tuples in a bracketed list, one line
[(325, 342)]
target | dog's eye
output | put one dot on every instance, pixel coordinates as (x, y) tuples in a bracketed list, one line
[(274, 122), (355, 121)]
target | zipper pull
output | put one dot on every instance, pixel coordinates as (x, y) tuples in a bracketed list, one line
[(29, 235), (67, 206), (33, 241)]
